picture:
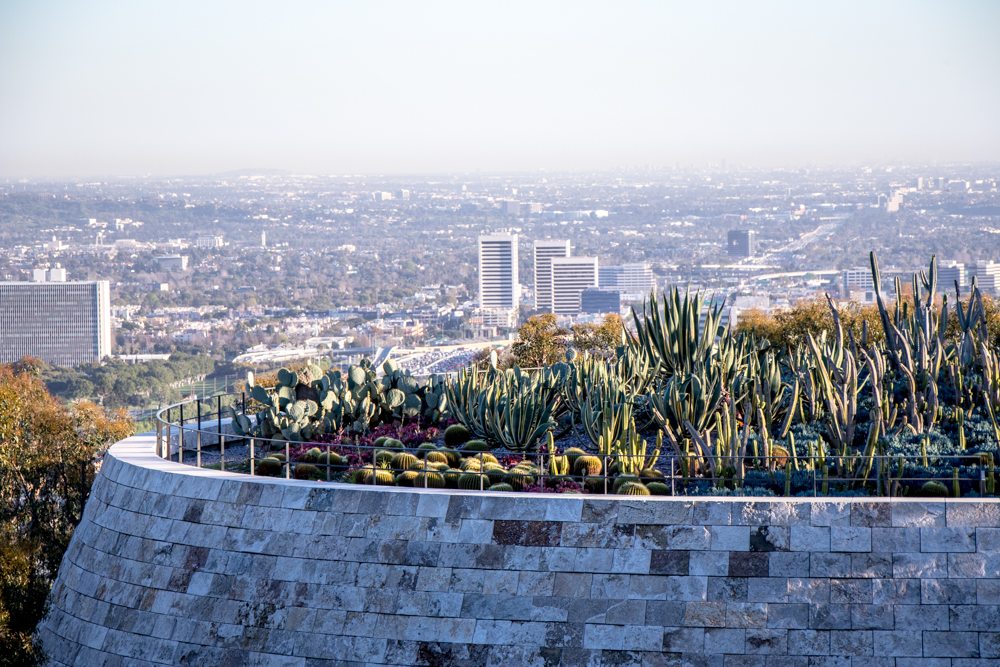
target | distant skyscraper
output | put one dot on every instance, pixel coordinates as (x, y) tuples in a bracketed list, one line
[(570, 276), (510, 207), (545, 251), (634, 281), (857, 284), (600, 300), (948, 274), (740, 242), (173, 262), (987, 275), (210, 241), (62, 323), (498, 280)]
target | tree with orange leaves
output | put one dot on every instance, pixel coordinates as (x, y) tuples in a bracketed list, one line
[(49, 454)]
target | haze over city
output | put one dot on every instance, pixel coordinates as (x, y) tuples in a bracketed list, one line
[(154, 88)]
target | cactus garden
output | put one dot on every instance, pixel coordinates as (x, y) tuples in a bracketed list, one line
[(683, 406)]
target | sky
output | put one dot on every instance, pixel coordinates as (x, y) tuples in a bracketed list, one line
[(188, 87)]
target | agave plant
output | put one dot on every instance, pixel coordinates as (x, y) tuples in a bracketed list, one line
[(510, 408), (671, 334)]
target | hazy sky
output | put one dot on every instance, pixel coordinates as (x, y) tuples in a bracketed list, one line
[(188, 87)]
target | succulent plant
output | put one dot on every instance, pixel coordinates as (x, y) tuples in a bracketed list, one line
[(407, 478), (430, 480), (587, 466), (475, 446), (403, 461), (633, 489), (658, 488), (473, 481), (495, 472), (456, 435), (451, 477), (436, 457), (454, 458), (501, 487), (934, 489), (331, 459), (512, 408), (471, 464), (305, 471), (621, 480), (519, 479), (269, 467)]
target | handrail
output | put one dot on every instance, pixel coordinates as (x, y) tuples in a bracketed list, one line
[(173, 423)]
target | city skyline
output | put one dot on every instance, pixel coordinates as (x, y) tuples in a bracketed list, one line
[(118, 90)]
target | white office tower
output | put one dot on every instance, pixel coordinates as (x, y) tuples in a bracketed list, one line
[(499, 289), (56, 274), (545, 251), (857, 284), (948, 274), (634, 281), (570, 276), (987, 275), (62, 323)]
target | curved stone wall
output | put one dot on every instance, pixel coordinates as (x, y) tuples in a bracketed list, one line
[(174, 565)]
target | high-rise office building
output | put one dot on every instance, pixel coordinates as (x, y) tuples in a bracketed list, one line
[(740, 242), (62, 323), (210, 241), (510, 207), (570, 276), (857, 284), (173, 263), (545, 251), (987, 275), (634, 281), (600, 300), (498, 280), (948, 274)]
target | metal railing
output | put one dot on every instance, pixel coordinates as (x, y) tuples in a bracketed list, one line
[(187, 431)]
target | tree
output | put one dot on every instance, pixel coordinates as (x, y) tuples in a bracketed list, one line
[(600, 339), (49, 454), (786, 328), (540, 341)]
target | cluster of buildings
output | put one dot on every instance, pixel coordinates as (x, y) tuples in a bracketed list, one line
[(856, 284), (565, 285)]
